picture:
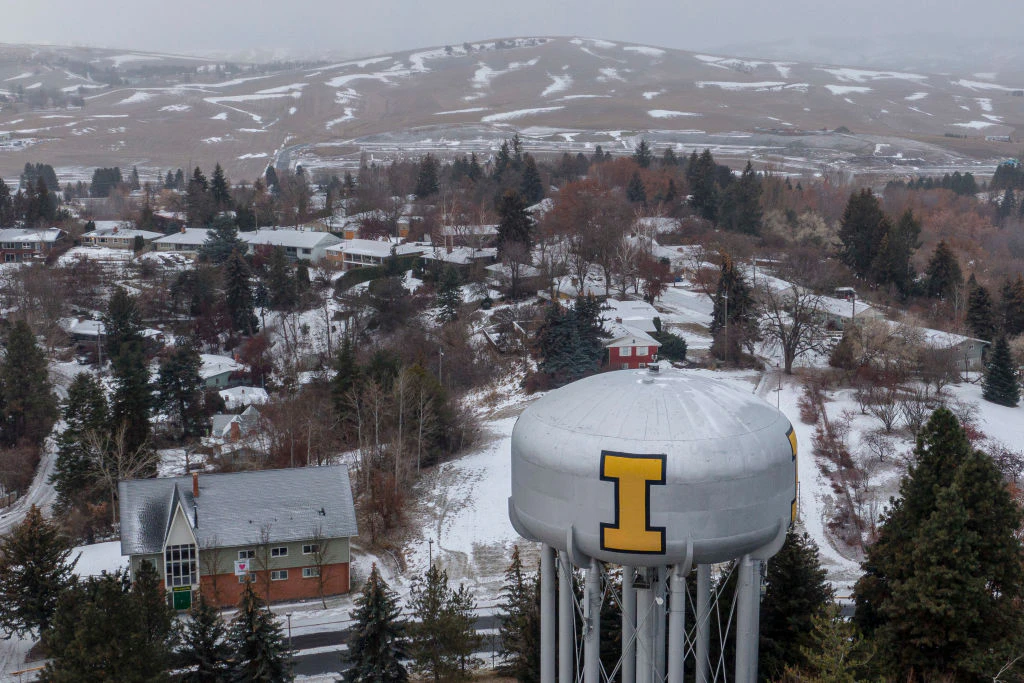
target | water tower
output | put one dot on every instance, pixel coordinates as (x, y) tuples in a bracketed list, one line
[(658, 472)]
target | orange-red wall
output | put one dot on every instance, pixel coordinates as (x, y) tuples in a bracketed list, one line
[(225, 591)]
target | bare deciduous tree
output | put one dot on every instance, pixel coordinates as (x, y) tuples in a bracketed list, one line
[(791, 320), (115, 461)]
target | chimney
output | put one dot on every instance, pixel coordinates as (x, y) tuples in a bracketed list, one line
[(182, 229), (195, 484), (618, 320), (236, 432)]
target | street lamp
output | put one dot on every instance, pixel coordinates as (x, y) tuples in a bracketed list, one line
[(289, 615)]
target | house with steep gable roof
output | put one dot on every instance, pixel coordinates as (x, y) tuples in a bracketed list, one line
[(288, 531)]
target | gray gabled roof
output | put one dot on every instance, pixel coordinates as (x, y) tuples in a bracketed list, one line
[(232, 509)]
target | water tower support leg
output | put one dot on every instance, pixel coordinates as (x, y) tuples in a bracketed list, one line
[(547, 614), (628, 626), (703, 622), (592, 624), (676, 625), (748, 609), (566, 646), (645, 634), (661, 610)]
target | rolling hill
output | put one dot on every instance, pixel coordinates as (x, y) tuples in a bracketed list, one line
[(161, 111)]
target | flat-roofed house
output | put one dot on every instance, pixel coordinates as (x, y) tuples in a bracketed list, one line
[(359, 253), (297, 244), (117, 235), (288, 531), (188, 240)]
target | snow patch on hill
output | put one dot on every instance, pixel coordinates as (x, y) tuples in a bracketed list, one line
[(468, 110), (737, 85), (669, 113), (176, 107), (916, 96), (864, 75), (517, 114), (645, 50), (559, 83), (847, 89), (976, 125)]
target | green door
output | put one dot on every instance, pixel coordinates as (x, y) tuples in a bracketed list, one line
[(182, 598)]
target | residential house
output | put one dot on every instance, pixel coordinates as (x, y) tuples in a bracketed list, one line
[(967, 353), (188, 240), (297, 244), (117, 235), (219, 371), (233, 428), (629, 348), (357, 253), (499, 275), (837, 313), (461, 258), (240, 397), (638, 315), (288, 531), (21, 244)]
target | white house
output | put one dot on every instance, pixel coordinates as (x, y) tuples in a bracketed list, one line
[(117, 235), (188, 240), (240, 397), (358, 253), (638, 315), (297, 244), (216, 370)]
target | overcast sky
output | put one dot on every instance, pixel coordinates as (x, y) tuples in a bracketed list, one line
[(345, 27)]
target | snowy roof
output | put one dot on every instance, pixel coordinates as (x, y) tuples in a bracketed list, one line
[(217, 365), (460, 255), (188, 237), (377, 248), (296, 239), (465, 230), (86, 327), (844, 308), (236, 397), (121, 230), (48, 235), (98, 559), (232, 509), (660, 224), (624, 335), (505, 270), (637, 314)]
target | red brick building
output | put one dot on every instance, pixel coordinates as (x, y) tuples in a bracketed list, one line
[(288, 531), (630, 348)]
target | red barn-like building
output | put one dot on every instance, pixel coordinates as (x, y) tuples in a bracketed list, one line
[(630, 348)]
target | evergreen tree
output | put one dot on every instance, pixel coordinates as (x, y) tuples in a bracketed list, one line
[(669, 158), (531, 186), (203, 652), (220, 189), (892, 261), (943, 275), (515, 227), (795, 593), (703, 187), (102, 631), (569, 341), (199, 205), (740, 209), (474, 172), (1012, 306), (132, 397), (733, 315), (943, 578), (837, 653), (133, 180), (635, 190), (34, 572), (270, 175), (501, 162), (375, 649), (238, 295), (29, 406), (85, 412), (347, 375), (426, 180), (520, 623), (981, 315), (1007, 205), (449, 295), (642, 154), (221, 241), (280, 284), (1000, 384), (180, 387), (255, 637), (861, 231), (441, 637)]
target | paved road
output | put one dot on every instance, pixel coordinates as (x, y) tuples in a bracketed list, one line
[(330, 662)]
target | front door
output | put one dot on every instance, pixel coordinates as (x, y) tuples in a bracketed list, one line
[(182, 598)]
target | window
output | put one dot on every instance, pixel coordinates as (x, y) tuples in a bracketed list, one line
[(180, 565), (641, 350), (279, 552), (279, 575), (310, 572), (307, 251), (252, 577), (625, 366), (625, 351), (246, 554), (310, 548)]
